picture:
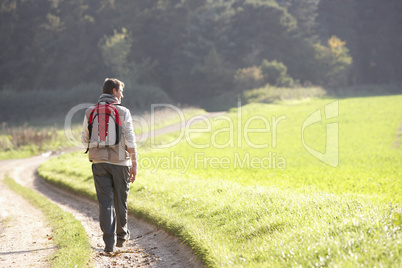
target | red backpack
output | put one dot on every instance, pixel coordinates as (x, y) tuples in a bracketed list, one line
[(104, 126)]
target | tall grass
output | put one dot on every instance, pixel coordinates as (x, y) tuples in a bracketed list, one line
[(270, 94), (25, 141), (25, 135)]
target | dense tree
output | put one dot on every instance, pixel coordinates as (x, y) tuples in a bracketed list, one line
[(193, 49), (371, 30), (305, 12)]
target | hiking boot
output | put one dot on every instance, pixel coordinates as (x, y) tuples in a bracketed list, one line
[(109, 249), (120, 243)]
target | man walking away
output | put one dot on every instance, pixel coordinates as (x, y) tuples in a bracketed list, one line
[(112, 151)]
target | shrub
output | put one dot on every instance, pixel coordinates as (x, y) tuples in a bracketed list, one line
[(248, 78), (5, 143), (334, 63), (275, 73)]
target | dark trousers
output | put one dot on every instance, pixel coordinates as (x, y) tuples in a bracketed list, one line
[(112, 183)]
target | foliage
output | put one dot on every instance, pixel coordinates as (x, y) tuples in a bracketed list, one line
[(216, 76), (192, 49), (141, 97), (272, 73), (305, 11), (335, 64), (115, 50), (45, 105), (275, 73), (303, 213), (52, 106), (247, 78), (371, 31), (74, 249)]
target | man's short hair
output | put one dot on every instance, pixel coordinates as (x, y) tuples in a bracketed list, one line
[(110, 84)]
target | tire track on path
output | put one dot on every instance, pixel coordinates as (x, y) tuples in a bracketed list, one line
[(148, 247), (19, 247)]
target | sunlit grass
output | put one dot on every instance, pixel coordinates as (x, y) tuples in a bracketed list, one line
[(163, 116), (26, 141), (305, 213), (368, 160)]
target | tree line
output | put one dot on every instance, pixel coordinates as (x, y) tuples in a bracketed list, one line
[(197, 49)]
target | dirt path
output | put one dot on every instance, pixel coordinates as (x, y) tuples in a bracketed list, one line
[(18, 247), (147, 247)]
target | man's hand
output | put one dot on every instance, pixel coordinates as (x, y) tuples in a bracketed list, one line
[(133, 156), (133, 171)]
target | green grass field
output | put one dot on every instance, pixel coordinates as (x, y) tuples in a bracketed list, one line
[(238, 205), (26, 141)]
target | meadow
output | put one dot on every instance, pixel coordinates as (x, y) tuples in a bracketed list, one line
[(31, 139), (242, 189)]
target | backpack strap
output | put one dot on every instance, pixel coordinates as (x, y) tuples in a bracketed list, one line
[(118, 124), (90, 123)]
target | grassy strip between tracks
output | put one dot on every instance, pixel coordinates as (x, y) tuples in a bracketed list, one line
[(69, 235)]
